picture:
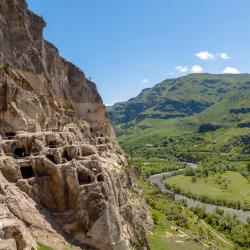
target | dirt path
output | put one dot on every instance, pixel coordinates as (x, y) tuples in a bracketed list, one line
[(216, 234)]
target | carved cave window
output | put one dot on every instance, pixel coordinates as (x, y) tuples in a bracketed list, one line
[(18, 152), (100, 178), (27, 172), (52, 144), (84, 178), (51, 158), (10, 135), (66, 155)]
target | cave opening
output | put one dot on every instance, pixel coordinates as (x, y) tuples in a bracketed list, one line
[(84, 178), (51, 158), (66, 155), (100, 178), (52, 144), (18, 152), (10, 135), (27, 172)]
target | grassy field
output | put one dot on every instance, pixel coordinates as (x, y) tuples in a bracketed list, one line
[(231, 186), (164, 238)]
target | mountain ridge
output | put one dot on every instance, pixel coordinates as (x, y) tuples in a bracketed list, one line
[(148, 93), (183, 105)]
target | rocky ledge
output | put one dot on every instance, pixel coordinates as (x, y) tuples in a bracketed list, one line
[(63, 177)]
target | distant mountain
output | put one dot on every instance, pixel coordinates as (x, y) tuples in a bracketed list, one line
[(196, 103)]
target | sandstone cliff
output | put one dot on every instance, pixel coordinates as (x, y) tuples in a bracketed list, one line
[(62, 174)]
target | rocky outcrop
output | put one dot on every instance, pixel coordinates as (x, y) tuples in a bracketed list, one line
[(62, 173)]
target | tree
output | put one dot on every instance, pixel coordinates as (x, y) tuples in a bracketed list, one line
[(248, 167)]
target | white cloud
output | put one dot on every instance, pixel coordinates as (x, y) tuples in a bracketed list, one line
[(181, 69), (144, 80), (230, 70), (224, 56), (205, 55), (196, 69)]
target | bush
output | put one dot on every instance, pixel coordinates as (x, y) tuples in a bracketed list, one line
[(208, 127), (155, 218), (194, 179)]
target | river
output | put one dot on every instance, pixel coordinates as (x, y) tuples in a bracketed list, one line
[(157, 179)]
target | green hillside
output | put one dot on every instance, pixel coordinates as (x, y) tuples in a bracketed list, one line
[(187, 116), (199, 118)]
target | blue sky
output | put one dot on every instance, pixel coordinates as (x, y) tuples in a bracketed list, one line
[(128, 45)]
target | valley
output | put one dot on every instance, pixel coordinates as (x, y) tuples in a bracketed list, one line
[(201, 119), (168, 169)]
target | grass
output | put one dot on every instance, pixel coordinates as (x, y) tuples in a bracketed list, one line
[(42, 246), (166, 239), (231, 186), (154, 167)]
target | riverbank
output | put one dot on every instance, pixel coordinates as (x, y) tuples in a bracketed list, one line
[(157, 179)]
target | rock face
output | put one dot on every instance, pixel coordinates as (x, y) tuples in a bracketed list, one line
[(62, 177)]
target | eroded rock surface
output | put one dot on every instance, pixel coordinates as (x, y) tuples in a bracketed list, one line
[(62, 178)]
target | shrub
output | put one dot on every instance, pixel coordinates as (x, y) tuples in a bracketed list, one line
[(208, 127)]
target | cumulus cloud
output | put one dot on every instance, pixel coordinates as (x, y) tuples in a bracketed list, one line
[(224, 56), (181, 69), (144, 80), (230, 70), (205, 55), (196, 69)]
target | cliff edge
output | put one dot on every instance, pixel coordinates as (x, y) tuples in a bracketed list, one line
[(63, 177)]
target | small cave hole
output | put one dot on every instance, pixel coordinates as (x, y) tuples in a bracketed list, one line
[(18, 152), (27, 172), (66, 155), (52, 144), (92, 130), (51, 158), (100, 178), (84, 178), (10, 135)]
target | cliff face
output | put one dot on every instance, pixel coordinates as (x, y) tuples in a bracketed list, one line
[(58, 85), (62, 178)]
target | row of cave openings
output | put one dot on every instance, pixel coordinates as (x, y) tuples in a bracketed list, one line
[(20, 152), (27, 172)]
